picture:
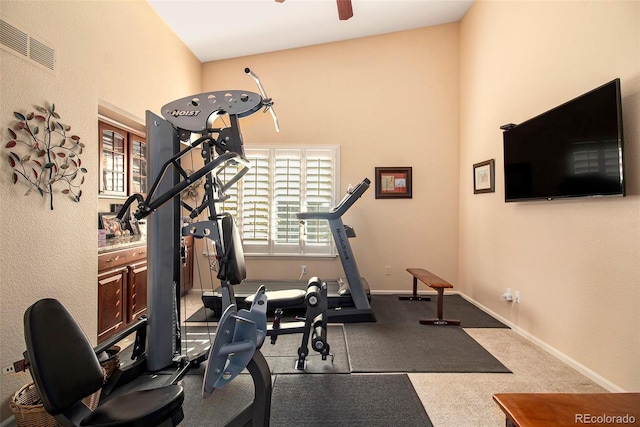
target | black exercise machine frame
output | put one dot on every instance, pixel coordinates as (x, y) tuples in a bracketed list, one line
[(164, 136), (182, 117), (171, 180)]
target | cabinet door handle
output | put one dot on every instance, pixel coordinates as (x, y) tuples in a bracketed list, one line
[(113, 259)]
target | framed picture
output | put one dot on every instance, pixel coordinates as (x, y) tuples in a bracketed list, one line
[(484, 177), (107, 221), (393, 183)]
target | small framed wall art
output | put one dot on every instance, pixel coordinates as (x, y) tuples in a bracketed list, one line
[(484, 180), (393, 183)]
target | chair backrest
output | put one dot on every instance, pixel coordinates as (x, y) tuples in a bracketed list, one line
[(232, 264), (63, 365)]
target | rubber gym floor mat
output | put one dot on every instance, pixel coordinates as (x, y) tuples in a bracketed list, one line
[(220, 407), (283, 355), (455, 307), (312, 400), (346, 400), (397, 342), (470, 316)]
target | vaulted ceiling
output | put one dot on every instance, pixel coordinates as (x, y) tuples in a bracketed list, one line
[(222, 29)]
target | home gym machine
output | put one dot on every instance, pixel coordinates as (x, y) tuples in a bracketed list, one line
[(157, 346), (158, 339), (348, 300), (191, 115)]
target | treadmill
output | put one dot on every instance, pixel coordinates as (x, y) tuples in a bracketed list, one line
[(348, 298)]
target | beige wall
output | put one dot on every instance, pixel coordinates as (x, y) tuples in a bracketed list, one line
[(103, 57), (575, 262), (388, 100)]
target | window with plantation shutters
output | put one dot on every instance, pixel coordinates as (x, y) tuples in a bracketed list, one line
[(287, 194), (320, 191), (255, 202), (281, 183)]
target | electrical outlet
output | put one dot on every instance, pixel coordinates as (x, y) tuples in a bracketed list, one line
[(387, 270), (8, 370), (507, 296), (303, 269), (516, 299)]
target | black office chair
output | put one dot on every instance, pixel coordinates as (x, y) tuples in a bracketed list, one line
[(65, 369)]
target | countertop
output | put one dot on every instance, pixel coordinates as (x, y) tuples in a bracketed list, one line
[(119, 243)]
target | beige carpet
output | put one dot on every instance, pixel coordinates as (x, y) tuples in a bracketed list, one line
[(466, 399)]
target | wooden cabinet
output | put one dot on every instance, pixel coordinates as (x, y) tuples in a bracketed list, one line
[(122, 289), (122, 286), (111, 315), (136, 291)]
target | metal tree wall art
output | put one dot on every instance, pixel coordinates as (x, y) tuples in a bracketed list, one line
[(42, 153)]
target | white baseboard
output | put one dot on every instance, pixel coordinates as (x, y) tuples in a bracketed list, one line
[(593, 376)]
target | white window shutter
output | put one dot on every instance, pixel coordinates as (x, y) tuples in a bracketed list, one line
[(281, 183), (319, 197)]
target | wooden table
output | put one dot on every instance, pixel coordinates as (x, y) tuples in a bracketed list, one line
[(435, 282), (569, 409)]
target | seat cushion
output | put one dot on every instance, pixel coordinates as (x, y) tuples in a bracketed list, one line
[(63, 364), (288, 298), (232, 266), (139, 408)]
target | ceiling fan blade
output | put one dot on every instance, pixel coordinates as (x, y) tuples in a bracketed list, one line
[(345, 11)]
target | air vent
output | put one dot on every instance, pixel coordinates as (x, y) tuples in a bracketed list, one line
[(21, 44), (13, 38)]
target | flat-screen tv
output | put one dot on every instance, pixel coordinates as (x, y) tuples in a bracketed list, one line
[(573, 150)]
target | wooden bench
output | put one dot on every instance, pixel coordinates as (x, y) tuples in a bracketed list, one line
[(569, 409), (436, 283)]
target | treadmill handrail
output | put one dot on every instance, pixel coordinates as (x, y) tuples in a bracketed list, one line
[(347, 201)]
